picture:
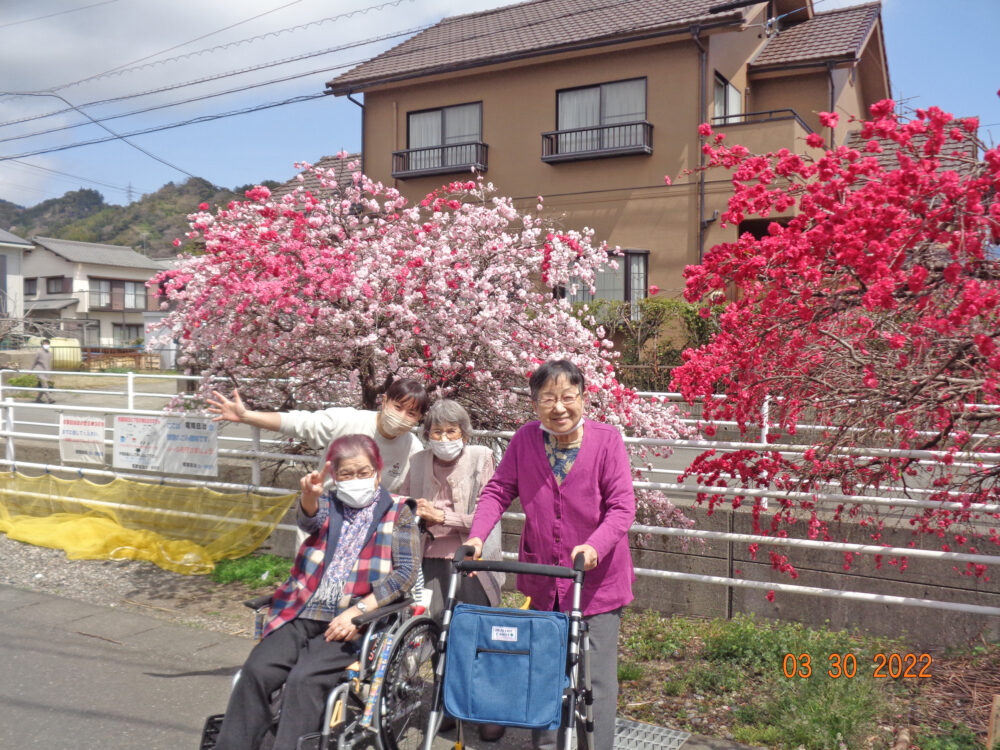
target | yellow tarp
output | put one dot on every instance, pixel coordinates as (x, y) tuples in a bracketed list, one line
[(183, 529)]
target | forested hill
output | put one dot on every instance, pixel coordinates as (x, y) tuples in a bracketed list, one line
[(148, 225)]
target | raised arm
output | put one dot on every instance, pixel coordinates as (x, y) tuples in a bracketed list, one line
[(234, 410)]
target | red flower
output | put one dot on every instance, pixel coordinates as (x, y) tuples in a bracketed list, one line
[(653, 290), (815, 140), (828, 119), (769, 596)]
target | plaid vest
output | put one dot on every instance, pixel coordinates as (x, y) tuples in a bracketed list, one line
[(374, 563)]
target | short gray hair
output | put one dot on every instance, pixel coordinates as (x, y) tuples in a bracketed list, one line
[(444, 411)]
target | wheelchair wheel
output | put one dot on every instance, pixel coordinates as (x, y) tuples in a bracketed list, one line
[(408, 686)]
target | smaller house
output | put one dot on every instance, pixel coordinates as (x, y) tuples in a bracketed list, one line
[(310, 182), (12, 249), (93, 292)]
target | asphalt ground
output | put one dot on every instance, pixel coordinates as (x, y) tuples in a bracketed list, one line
[(90, 676)]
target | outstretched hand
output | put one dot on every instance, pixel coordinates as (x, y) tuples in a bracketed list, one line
[(227, 411)]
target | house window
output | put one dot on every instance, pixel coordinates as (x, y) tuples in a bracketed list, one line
[(100, 293), (30, 287), (127, 334), (606, 117), (57, 285), (135, 295), (627, 283), (728, 101), (445, 137)]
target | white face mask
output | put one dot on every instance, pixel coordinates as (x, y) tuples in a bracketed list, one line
[(356, 493), (394, 425), (447, 450), (570, 431), (45, 347)]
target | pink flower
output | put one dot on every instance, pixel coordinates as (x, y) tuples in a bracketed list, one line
[(769, 596), (653, 290), (202, 206), (829, 119), (667, 180), (705, 129), (815, 140)]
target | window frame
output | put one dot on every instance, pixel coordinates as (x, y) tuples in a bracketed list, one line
[(624, 268), (120, 341), (612, 138), (726, 117), (50, 281), (599, 87), (443, 157), (31, 286)]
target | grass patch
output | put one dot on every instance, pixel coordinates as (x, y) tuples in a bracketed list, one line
[(23, 381), (786, 686), (255, 571)]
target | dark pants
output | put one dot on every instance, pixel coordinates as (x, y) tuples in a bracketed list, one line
[(296, 656), (437, 574)]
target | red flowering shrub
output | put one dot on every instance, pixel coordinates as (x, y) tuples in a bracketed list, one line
[(869, 309)]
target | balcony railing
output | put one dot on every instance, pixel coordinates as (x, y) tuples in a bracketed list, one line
[(749, 118), (598, 142), (456, 157)]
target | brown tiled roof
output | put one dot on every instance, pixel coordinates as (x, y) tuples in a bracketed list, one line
[(311, 182), (836, 34), (525, 30), (954, 155)]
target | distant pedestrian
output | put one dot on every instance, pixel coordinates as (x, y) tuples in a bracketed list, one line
[(43, 361)]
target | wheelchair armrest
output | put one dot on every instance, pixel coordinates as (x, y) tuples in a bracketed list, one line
[(377, 614), (259, 602)]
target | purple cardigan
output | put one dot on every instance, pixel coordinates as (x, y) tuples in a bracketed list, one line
[(595, 505)]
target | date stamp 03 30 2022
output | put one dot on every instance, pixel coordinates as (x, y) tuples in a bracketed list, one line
[(891, 666)]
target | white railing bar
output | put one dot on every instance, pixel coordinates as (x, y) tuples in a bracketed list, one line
[(795, 495), (818, 544), (908, 601), (150, 479), (143, 509)]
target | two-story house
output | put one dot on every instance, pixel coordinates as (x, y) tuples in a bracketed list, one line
[(96, 293), (12, 250), (591, 103)]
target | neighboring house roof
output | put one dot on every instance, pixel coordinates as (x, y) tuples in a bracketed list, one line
[(6, 238), (527, 30), (311, 181), (49, 304), (954, 155), (834, 35), (93, 253)]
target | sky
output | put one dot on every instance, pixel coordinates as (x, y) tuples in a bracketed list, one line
[(116, 58)]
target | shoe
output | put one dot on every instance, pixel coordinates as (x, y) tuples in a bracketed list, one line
[(447, 723), (491, 732)]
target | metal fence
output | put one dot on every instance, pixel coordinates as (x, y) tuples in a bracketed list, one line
[(146, 394)]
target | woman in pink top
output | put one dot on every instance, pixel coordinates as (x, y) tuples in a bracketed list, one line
[(574, 481)]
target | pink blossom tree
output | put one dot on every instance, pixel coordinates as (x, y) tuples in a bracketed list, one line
[(869, 309), (329, 296)]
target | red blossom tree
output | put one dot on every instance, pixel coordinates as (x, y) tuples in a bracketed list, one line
[(868, 309)]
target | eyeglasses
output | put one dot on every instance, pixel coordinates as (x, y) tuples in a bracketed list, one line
[(567, 400), (366, 473), (443, 433)]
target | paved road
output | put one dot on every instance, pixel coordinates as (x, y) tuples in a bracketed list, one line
[(79, 675)]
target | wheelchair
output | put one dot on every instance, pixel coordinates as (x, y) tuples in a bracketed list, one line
[(383, 699)]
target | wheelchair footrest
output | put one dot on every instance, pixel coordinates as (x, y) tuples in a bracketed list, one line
[(210, 733)]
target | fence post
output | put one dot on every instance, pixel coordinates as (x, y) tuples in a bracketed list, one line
[(765, 427), (255, 465), (8, 419), (130, 378)]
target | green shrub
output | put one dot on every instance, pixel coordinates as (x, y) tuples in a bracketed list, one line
[(629, 671), (954, 738)]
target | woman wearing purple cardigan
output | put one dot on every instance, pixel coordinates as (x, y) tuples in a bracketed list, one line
[(574, 481)]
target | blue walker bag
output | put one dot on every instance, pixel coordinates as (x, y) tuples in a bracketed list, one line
[(506, 666)]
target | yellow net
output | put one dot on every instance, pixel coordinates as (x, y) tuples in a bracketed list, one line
[(183, 529)]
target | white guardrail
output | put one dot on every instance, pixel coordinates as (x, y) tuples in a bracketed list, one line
[(39, 422)]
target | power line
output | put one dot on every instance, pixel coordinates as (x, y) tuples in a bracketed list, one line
[(72, 176), (115, 136), (170, 126), (229, 74), (57, 13)]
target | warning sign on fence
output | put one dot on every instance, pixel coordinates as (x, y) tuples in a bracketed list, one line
[(81, 438), (173, 445)]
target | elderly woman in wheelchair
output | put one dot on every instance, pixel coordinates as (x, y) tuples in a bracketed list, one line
[(362, 555)]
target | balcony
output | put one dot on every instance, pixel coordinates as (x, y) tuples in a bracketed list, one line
[(597, 142), (456, 157), (763, 132)]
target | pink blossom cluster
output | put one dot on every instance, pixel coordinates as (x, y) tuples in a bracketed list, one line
[(329, 295), (870, 308)]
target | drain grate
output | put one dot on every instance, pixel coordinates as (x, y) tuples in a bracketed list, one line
[(635, 735)]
